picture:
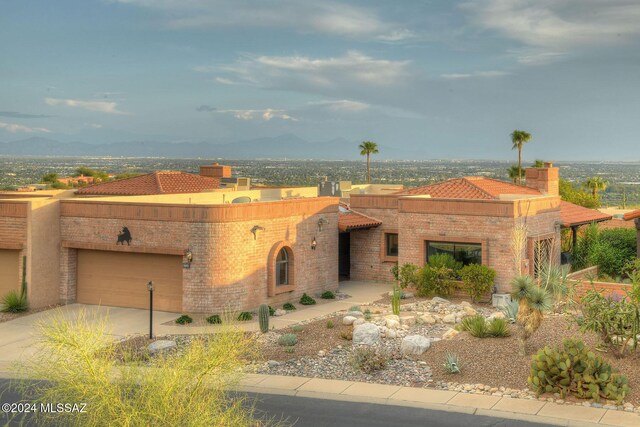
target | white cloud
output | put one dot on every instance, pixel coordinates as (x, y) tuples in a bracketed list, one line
[(304, 72), (559, 24), (15, 128), (108, 107), (327, 17), (343, 105), (266, 114), (485, 74)]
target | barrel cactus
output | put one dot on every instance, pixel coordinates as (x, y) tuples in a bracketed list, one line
[(263, 318)]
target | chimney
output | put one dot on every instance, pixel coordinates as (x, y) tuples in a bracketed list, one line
[(545, 179), (215, 171)]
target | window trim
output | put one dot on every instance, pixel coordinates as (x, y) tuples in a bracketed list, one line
[(484, 245), (273, 288), (427, 242), (278, 267), (383, 245)]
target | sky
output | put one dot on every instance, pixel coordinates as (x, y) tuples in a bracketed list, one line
[(454, 78)]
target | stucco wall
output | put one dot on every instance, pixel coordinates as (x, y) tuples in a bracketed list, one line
[(43, 253)]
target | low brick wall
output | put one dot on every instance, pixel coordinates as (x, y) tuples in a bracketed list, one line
[(583, 285)]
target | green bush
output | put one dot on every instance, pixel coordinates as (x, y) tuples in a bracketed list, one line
[(406, 275), (307, 300), (575, 370), (498, 328), (475, 325), (367, 315), (613, 250), (214, 319), (272, 311), (328, 295), (184, 319), (477, 280), (368, 359), (288, 306), (14, 302), (244, 316), (435, 281), (288, 340)]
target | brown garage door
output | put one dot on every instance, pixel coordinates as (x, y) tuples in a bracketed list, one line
[(120, 279), (9, 271)]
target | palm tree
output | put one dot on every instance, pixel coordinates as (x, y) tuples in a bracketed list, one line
[(596, 183), (533, 302), (513, 173), (367, 148), (519, 138)]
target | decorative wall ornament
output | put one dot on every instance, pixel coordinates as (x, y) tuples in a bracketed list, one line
[(124, 236)]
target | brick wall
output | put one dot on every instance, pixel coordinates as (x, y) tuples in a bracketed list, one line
[(367, 259)]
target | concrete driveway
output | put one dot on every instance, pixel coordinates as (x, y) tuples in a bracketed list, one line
[(19, 336)]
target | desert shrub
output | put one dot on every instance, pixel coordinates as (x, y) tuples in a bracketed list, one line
[(184, 319), (355, 308), (289, 350), (14, 302), (297, 328), (307, 300), (272, 311), (330, 324), (477, 280), (367, 314), (475, 325), (406, 275), (498, 328), (444, 260), (610, 250), (435, 281), (575, 370), (328, 295), (288, 340), (214, 319), (288, 306), (584, 246), (368, 359), (616, 320), (451, 363), (78, 358), (245, 316)]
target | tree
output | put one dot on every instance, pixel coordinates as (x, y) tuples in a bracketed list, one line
[(538, 163), (367, 148), (518, 139), (50, 178), (572, 194), (513, 173), (595, 184)]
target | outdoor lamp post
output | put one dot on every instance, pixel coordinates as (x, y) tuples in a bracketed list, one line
[(150, 288)]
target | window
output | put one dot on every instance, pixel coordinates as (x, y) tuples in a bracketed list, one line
[(282, 268), (466, 253), (391, 244)]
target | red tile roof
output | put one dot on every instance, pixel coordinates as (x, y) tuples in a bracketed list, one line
[(161, 182), (573, 215), (632, 215), (349, 220), (471, 187)]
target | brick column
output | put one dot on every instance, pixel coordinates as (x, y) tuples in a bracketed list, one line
[(68, 275)]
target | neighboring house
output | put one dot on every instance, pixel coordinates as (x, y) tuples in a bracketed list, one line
[(635, 216), (76, 180)]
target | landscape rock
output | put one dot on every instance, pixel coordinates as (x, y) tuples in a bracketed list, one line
[(408, 320), (392, 324), (496, 315), (393, 317), (469, 311), (465, 304), (414, 345), (391, 333), (161, 346), (449, 318), (429, 319), (451, 333), (367, 334), (407, 295), (280, 312), (273, 363), (440, 300), (359, 321), (348, 320), (355, 314)]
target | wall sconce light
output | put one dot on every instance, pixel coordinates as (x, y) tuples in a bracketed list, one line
[(188, 256), (322, 221), (255, 229), (314, 243)]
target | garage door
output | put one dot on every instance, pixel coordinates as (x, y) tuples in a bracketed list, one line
[(9, 271), (120, 279)]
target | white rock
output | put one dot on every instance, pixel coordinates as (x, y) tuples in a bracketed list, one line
[(450, 334), (321, 353), (469, 311), (440, 300), (348, 320), (407, 295), (358, 322), (367, 334), (354, 314), (280, 312), (408, 320), (449, 318), (392, 324), (392, 317), (465, 304), (391, 333), (161, 346), (414, 345), (429, 319)]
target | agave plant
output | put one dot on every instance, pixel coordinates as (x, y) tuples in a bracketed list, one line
[(510, 311), (553, 278), (533, 302)]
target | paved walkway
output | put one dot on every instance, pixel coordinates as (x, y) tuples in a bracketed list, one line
[(441, 400)]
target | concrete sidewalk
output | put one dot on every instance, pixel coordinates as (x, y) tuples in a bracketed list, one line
[(441, 400)]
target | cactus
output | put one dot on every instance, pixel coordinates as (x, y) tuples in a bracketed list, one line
[(263, 318), (395, 300), (576, 370)]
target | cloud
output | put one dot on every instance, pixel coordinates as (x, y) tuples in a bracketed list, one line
[(15, 128), (16, 115), (557, 24), (265, 115), (206, 108), (108, 107), (485, 74), (343, 105), (304, 72), (326, 17)]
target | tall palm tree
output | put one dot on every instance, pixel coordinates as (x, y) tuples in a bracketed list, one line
[(367, 148), (595, 184), (513, 173), (519, 138)]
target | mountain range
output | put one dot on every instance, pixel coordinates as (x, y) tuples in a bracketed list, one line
[(286, 146)]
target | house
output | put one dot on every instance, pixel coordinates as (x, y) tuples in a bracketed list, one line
[(635, 216)]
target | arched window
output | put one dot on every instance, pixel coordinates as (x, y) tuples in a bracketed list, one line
[(282, 268)]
